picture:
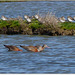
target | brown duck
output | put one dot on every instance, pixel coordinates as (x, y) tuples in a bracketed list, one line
[(35, 48), (12, 48)]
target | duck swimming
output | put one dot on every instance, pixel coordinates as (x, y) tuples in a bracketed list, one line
[(12, 48), (35, 48)]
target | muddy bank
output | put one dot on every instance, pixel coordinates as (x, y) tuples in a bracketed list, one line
[(40, 31), (56, 32), (34, 28), (31, 0)]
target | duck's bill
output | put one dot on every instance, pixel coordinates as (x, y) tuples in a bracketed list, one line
[(48, 47)]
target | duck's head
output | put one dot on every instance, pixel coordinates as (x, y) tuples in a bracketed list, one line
[(45, 46)]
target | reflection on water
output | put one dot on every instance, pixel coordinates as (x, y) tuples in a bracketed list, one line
[(60, 58), (14, 9)]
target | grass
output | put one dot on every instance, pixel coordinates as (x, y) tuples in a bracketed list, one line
[(49, 20), (23, 27), (68, 25), (35, 24), (11, 23)]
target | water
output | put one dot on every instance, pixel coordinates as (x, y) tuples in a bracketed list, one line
[(14, 9), (60, 58)]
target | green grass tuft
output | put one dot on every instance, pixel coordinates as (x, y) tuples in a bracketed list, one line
[(68, 25), (35, 24), (11, 23)]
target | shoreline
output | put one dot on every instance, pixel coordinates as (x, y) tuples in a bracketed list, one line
[(47, 24), (12, 27), (32, 0)]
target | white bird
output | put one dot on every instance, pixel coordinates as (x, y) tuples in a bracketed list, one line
[(36, 16), (74, 17), (4, 18), (28, 20), (62, 19), (70, 19), (25, 16)]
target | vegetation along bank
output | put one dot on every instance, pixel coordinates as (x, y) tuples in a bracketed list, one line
[(31, 0), (46, 25)]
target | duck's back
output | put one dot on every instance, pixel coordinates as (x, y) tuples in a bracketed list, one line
[(11, 48), (30, 48)]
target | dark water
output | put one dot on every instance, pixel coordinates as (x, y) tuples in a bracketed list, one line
[(14, 9), (60, 58)]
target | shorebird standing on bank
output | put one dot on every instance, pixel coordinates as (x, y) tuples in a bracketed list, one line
[(27, 18), (35, 48), (62, 19), (12, 48), (36, 16), (70, 19), (32, 17), (74, 18), (4, 18), (40, 19)]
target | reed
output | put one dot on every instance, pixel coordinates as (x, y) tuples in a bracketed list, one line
[(49, 20)]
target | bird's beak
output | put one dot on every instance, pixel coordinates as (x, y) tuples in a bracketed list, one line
[(48, 47)]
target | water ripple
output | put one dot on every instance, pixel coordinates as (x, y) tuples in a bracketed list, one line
[(60, 58)]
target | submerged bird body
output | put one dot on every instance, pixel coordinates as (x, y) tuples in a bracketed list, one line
[(35, 48), (12, 48)]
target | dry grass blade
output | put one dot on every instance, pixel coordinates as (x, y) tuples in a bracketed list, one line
[(49, 20)]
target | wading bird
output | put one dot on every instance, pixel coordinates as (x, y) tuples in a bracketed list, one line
[(62, 19), (70, 19), (4, 18)]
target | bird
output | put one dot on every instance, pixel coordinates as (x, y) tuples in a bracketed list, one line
[(32, 17), (4, 18), (27, 18), (62, 19), (36, 16), (74, 18), (35, 48), (70, 19), (12, 48)]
